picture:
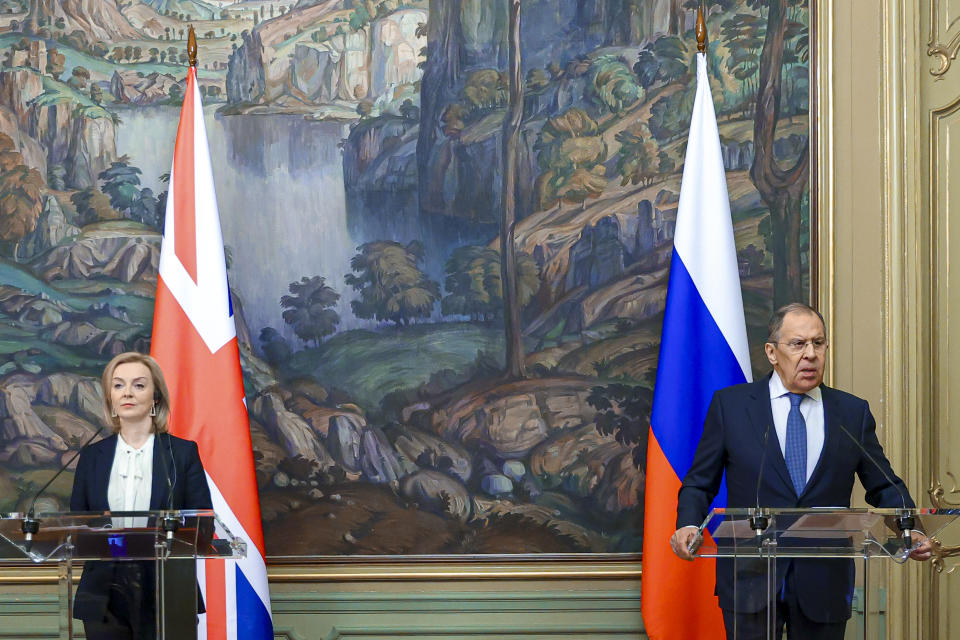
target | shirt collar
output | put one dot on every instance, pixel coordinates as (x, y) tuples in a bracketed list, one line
[(778, 389), (124, 446)]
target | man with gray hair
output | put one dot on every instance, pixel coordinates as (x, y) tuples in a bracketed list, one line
[(810, 462)]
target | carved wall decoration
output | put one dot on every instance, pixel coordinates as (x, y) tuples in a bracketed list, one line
[(943, 499), (944, 52)]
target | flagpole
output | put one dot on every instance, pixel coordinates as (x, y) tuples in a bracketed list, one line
[(703, 348), (192, 46), (701, 30), (194, 340)]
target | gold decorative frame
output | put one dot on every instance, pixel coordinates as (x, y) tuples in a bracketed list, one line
[(560, 567), (372, 569)]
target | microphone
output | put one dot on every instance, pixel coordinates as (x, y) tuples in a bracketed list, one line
[(905, 523), (170, 523), (760, 521), (30, 525)]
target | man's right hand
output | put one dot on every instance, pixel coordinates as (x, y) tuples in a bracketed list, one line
[(681, 540)]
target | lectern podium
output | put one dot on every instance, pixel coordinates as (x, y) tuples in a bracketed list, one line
[(166, 543), (756, 544)]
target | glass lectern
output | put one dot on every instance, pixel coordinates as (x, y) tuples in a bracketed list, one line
[(756, 545), (165, 543)]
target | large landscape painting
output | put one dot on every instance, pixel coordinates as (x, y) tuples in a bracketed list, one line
[(357, 149)]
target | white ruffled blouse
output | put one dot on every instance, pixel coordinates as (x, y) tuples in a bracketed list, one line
[(131, 477)]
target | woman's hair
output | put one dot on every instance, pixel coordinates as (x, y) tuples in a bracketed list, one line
[(161, 397)]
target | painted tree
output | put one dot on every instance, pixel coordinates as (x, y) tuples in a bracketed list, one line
[(611, 85), (638, 161), (744, 33), (670, 114), (93, 206), (390, 283), (360, 17), (537, 80), (583, 184), (796, 77), (781, 189), (146, 209), (120, 182), (276, 349), (665, 163), (20, 198), (308, 309), (623, 411), (485, 90), (513, 329), (474, 283), (55, 62), (647, 67), (570, 153), (79, 78), (674, 58)]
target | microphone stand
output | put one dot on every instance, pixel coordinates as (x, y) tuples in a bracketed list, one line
[(169, 522), (759, 520), (906, 523), (30, 525)]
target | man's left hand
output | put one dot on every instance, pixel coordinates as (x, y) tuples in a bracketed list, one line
[(925, 550)]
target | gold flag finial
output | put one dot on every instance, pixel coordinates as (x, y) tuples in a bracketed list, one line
[(701, 31), (192, 47)]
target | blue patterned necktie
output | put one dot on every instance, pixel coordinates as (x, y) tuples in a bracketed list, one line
[(795, 451)]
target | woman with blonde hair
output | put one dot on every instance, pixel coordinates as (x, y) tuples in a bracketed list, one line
[(140, 467)]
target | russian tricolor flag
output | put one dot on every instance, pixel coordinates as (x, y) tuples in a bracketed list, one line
[(195, 342), (703, 348)]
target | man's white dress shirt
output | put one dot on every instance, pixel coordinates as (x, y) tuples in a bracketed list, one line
[(811, 408)]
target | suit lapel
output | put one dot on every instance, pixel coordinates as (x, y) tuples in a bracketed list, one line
[(761, 415), (159, 495), (831, 418), (102, 469)]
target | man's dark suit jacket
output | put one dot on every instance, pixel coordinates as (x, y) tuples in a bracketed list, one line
[(180, 457), (732, 441)]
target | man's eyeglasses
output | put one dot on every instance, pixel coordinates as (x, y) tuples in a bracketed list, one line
[(800, 346)]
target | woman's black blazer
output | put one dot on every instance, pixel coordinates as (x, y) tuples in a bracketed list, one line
[(179, 482)]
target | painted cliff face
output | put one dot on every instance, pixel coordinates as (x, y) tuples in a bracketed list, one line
[(357, 150)]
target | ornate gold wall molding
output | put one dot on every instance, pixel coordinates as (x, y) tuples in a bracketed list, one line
[(944, 499), (939, 135), (882, 254), (906, 265), (941, 24), (939, 495), (942, 127)]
